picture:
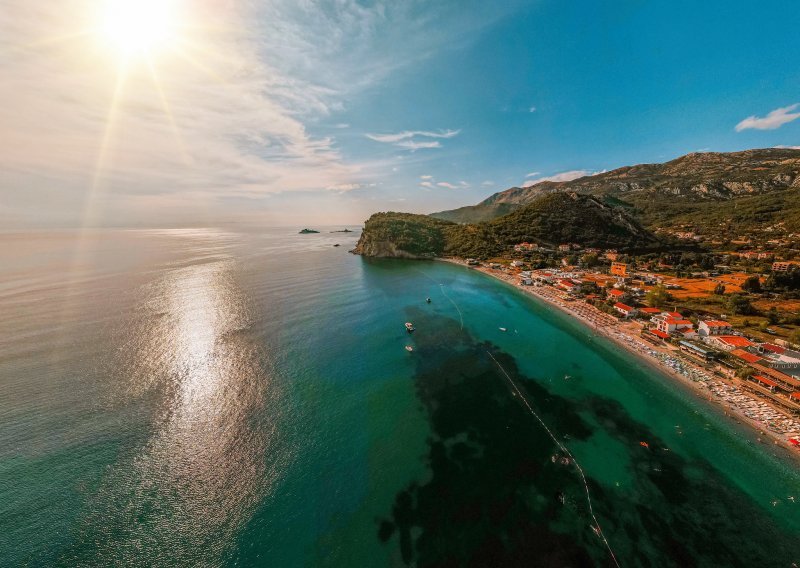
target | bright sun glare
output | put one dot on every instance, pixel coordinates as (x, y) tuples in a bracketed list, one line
[(138, 26)]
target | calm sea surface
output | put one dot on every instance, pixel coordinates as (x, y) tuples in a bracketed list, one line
[(220, 398)]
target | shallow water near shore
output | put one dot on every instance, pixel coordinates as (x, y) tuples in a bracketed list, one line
[(220, 397)]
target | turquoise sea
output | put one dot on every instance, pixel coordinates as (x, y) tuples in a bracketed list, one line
[(220, 397)]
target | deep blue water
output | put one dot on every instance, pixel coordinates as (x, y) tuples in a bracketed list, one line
[(218, 398)]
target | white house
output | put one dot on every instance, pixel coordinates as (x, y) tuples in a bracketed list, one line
[(714, 327), (625, 310), (670, 324)]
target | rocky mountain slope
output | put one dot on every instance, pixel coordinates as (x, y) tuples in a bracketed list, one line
[(691, 182)]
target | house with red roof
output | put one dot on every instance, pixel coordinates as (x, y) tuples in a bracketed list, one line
[(671, 325), (714, 327), (624, 309), (650, 311), (566, 284), (659, 334), (730, 342), (615, 294)]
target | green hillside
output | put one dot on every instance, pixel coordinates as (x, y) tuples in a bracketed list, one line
[(550, 220)]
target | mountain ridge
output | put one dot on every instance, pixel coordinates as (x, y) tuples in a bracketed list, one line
[(695, 177)]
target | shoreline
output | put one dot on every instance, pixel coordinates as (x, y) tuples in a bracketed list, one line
[(610, 328)]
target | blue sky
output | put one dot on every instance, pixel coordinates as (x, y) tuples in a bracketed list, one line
[(323, 112)]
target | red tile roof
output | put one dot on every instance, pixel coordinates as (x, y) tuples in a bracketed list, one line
[(717, 323), (735, 340), (660, 334), (773, 348), (677, 315), (616, 293), (650, 310), (747, 356), (795, 395), (764, 380), (625, 307), (673, 321)]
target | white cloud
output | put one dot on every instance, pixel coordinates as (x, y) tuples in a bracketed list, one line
[(427, 184), (346, 186), (782, 147), (487, 183), (532, 109), (533, 174), (414, 146), (448, 185), (563, 176), (406, 139), (773, 120), (426, 177), (406, 134)]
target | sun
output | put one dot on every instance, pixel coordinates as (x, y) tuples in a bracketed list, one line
[(138, 26)]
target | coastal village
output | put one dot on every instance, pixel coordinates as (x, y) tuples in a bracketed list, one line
[(753, 372)]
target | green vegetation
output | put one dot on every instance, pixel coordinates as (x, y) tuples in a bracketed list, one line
[(658, 297), (739, 304), (416, 235), (549, 221)]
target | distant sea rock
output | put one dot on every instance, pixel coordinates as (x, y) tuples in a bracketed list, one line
[(307, 231)]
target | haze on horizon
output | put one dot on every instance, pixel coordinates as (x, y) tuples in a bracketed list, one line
[(125, 112)]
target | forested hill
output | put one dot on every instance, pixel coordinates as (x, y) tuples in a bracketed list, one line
[(735, 191), (549, 220)]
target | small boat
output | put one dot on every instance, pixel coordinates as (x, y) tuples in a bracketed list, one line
[(409, 348), (337, 244), (409, 327), (503, 329), (428, 300)]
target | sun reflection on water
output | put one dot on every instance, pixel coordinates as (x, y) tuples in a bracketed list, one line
[(204, 469)]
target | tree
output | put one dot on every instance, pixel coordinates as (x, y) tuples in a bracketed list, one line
[(590, 260), (719, 289), (658, 297), (739, 304), (794, 337), (589, 288), (752, 285), (744, 373), (772, 316)]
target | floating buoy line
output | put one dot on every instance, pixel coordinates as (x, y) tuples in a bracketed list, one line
[(516, 392)]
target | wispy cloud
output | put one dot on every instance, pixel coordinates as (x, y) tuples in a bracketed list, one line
[(563, 176), (410, 139), (407, 134), (414, 146), (427, 184), (426, 177), (782, 147), (487, 183), (532, 109), (533, 174), (773, 120)]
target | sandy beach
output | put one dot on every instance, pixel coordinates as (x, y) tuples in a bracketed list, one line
[(739, 405)]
